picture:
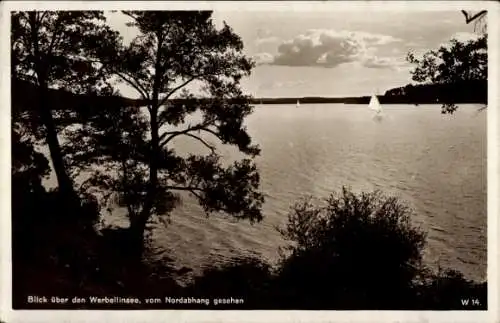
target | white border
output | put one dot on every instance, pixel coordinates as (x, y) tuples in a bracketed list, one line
[(492, 315)]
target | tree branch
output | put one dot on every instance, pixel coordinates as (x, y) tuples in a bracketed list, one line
[(55, 36), (184, 188), (130, 14), (212, 148), (191, 189), (175, 133), (124, 184), (135, 85), (211, 131), (469, 19), (169, 135), (162, 102), (40, 20)]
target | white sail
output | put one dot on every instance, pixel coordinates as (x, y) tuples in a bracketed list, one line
[(375, 104), (298, 103)]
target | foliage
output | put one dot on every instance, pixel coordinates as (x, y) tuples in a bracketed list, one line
[(72, 262), (444, 290), (355, 245), (134, 149), (61, 48), (457, 62), (355, 251), (248, 277), (52, 254), (28, 165), (472, 91), (58, 49)]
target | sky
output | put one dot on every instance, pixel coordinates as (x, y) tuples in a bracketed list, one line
[(331, 54)]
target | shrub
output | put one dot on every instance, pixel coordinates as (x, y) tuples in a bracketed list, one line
[(245, 277), (446, 289), (354, 251)]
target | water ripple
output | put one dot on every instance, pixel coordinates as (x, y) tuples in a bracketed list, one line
[(437, 164)]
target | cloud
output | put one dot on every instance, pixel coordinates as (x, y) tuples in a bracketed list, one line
[(331, 48), (415, 44), (375, 62), (265, 36), (263, 58), (464, 36), (263, 32), (461, 36), (384, 62), (280, 85), (267, 40)]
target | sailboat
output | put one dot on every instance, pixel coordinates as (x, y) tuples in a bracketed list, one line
[(375, 104), (298, 104)]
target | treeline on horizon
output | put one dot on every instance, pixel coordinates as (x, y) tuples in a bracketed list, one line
[(472, 91)]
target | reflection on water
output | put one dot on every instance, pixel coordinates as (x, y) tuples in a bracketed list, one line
[(437, 163), (378, 118)]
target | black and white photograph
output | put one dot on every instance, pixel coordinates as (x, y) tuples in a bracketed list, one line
[(220, 157)]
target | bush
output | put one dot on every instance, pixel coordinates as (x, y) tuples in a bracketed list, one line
[(245, 277), (355, 251), (446, 289)]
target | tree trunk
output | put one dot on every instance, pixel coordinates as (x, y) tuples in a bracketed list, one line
[(138, 223), (136, 238), (68, 195), (64, 182), (153, 164)]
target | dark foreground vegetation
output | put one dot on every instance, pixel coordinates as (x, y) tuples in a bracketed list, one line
[(353, 251)]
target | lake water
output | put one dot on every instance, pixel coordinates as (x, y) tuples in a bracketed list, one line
[(435, 162)]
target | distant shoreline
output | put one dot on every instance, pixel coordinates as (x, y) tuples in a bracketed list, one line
[(25, 97), (351, 100), (469, 91)]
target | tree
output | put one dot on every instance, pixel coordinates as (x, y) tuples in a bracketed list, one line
[(58, 50), (172, 51), (479, 20), (457, 64), (29, 167)]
